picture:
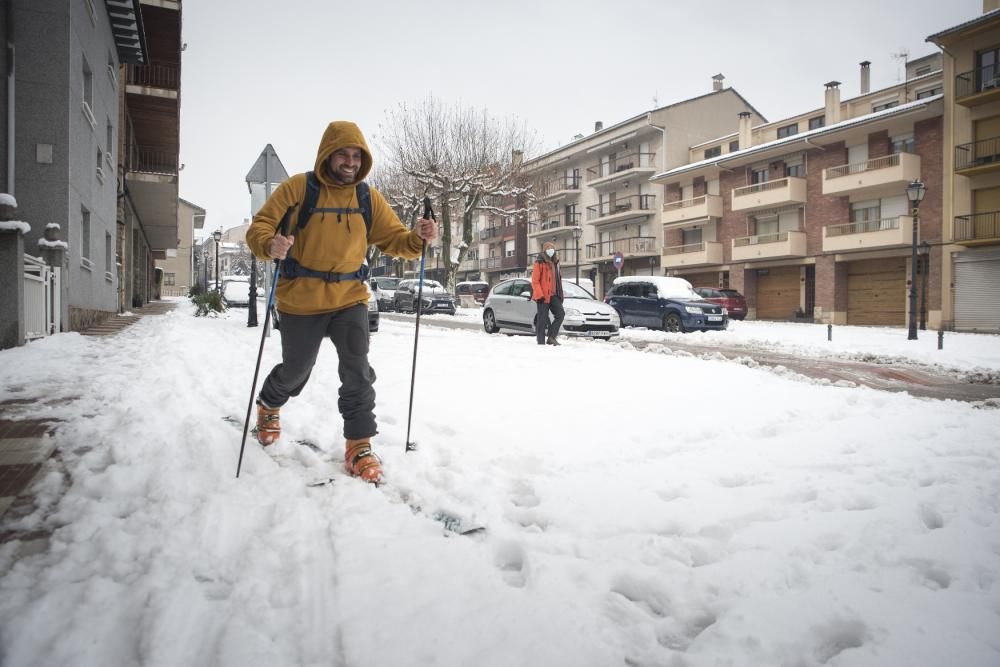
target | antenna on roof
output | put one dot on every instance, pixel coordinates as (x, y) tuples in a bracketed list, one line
[(903, 54), (656, 99)]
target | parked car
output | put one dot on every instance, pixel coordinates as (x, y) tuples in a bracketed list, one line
[(372, 312), (477, 289), (660, 302), (735, 303), (436, 299), (509, 308), (236, 291), (385, 289)]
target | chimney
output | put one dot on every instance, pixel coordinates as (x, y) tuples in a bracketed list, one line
[(832, 113), (746, 134), (718, 79), (598, 125), (866, 77)]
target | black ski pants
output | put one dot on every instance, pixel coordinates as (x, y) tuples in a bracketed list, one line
[(301, 336), (542, 324)]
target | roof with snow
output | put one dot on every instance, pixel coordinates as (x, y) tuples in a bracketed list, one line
[(962, 27)]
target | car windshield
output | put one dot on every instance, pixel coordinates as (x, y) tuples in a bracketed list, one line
[(387, 283), (573, 291)]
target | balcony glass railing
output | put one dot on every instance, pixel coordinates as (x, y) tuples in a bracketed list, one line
[(874, 164), (978, 153), (862, 227), (977, 81), (153, 76), (633, 245), (621, 205), (620, 163), (978, 227)]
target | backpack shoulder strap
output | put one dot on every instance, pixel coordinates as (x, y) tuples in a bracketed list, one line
[(308, 200), (365, 204)]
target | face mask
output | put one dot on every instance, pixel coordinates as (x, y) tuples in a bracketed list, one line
[(549, 252)]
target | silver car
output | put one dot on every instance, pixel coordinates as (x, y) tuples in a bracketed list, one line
[(509, 308)]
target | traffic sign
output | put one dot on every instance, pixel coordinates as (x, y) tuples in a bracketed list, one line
[(619, 260)]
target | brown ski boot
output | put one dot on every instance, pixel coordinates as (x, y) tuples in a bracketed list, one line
[(360, 461), (268, 424)]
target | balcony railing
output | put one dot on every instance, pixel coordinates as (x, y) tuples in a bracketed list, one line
[(147, 160), (978, 154), (765, 246), (980, 80), (153, 76), (706, 206), (892, 232), (978, 227), (863, 227), (874, 164), (769, 194), (879, 176), (681, 249), (621, 205), (562, 184), (491, 233), (469, 265), (553, 222), (633, 245), (621, 163), (693, 254), (487, 263)]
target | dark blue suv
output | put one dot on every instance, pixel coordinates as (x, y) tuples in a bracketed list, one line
[(659, 302)]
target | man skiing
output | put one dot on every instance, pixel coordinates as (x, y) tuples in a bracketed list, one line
[(322, 292)]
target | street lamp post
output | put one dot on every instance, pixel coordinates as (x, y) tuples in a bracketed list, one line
[(915, 192), (577, 233), (925, 268), (217, 235)]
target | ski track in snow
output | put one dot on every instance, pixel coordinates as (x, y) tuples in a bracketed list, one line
[(820, 526)]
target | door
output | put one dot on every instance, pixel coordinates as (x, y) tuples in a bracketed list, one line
[(778, 293), (987, 146), (977, 290), (857, 154), (876, 292)]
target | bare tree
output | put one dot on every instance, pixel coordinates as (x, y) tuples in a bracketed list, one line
[(464, 159)]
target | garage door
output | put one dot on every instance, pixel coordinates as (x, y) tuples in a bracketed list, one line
[(977, 290), (778, 293), (876, 292)]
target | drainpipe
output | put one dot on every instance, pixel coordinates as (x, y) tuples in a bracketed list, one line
[(9, 20), (663, 141)]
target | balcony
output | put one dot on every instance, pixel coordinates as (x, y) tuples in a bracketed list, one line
[(552, 225), (699, 208), (499, 263), (633, 246), (868, 234), (621, 168), (978, 229), (558, 188), (491, 233), (469, 264), (621, 209), (769, 246), (149, 160), (770, 194), (161, 80), (693, 254), (882, 176), (979, 157), (979, 86)]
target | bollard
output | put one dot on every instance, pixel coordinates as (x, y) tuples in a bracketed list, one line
[(829, 332), (940, 339)]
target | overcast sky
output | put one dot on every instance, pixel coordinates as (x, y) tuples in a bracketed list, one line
[(258, 72)]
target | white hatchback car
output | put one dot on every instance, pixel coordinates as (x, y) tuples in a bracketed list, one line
[(509, 308)]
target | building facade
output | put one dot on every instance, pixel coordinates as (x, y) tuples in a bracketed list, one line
[(178, 269)]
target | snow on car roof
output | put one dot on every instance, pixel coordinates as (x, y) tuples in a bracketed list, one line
[(668, 287)]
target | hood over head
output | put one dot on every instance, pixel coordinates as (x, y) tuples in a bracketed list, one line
[(341, 134)]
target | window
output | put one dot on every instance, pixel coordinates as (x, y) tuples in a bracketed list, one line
[(734, 146), (901, 144), (788, 130), (795, 167), (714, 151), (691, 236), (108, 255), (758, 176), (109, 154), (865, 211), (88, 93), (817, 122), (169, 279), (100, 164), (503, 288), (987, 64), (85, 237), (508, 248), (885, 105), (930, 92), (112, 69)]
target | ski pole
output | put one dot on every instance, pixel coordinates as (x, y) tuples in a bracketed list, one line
[(428, 215), (263, 336)]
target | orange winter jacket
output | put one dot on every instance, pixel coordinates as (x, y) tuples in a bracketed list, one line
[(543, 281), (330, 242)]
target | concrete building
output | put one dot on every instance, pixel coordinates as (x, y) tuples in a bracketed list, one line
[(595, 197), (808, 215), (971, 213), (178, 268)]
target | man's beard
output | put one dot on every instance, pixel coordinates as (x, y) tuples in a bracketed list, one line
[(341, 177)]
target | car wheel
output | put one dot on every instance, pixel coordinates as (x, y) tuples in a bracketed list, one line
[(490, 322), (672, 322)]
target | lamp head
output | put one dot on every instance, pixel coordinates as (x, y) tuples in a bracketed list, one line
[(217, 235), (915, 192)]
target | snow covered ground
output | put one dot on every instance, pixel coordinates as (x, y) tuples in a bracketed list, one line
[(641, 509)]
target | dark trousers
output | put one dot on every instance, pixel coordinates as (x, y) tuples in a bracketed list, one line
[(301, 336), (542, 325)]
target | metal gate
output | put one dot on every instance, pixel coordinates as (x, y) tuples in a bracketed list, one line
[(42, 308), (977, 290)]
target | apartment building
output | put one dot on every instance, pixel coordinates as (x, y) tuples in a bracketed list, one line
[(149, 144), (595, 199), (178, 269), (808, 216), (971, 229)]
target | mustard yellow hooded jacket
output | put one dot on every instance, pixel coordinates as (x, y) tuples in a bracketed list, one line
[(328, 243)]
